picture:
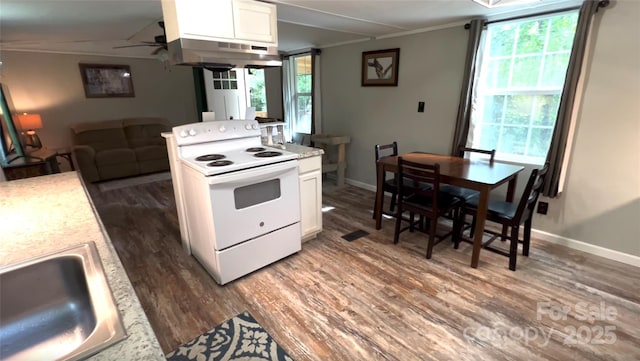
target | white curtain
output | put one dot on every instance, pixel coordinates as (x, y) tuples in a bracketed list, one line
[(287, 98)]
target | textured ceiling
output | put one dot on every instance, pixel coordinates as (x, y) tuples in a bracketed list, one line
[(96, 26)]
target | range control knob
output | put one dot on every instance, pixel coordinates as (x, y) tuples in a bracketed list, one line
[(247, 126), (222, 129), (183, 133), (192, 132), (254, 126)]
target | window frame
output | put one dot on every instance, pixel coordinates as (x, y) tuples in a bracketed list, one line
[(484, 89), (297, 95)]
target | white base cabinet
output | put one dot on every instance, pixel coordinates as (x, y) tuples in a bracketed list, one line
[(310, 196)]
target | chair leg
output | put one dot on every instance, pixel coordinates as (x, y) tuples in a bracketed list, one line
[(432, 236), (513, 248), (381, 207), (458, 225), (396, 233), (527, 238), (392, 206), (505, 233), (472, 229), (412, 217)]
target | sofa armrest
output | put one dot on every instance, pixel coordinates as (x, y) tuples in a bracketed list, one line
[(86, 161)]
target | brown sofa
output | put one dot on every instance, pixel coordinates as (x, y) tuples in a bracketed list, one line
[(120, 148)]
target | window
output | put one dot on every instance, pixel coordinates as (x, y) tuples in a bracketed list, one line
[(225, 80), (257, 93), (519, 85), (301, 78)]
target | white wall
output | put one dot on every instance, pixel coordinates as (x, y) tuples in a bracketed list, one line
[(601, 204), (50, 84), (430, 70)]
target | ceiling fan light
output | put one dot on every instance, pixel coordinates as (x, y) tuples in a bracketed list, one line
[(498, 3)]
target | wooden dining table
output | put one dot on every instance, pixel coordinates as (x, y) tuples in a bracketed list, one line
[(477, 174)]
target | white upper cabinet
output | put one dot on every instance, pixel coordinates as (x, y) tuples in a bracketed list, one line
[(221, 20), (255, 21)]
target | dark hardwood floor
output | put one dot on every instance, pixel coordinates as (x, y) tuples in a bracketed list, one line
[(372, 300)]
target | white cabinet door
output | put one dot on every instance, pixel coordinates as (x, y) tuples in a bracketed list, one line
[(196, 19), (310, 197), (224, 20), (255, 21)]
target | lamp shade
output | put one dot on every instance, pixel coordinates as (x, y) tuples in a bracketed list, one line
[(30, 121)]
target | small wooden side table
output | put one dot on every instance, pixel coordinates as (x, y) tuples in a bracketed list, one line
[(66, 154), (40, 162), (340, 166)]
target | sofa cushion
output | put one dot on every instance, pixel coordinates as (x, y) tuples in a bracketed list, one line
[(151, 152), (145, 131), (102, 139), (115, 156)]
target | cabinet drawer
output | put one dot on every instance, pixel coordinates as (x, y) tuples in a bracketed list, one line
[(310, 164)]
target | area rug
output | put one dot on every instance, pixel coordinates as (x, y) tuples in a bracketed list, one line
[(240, 338), (133, 181)]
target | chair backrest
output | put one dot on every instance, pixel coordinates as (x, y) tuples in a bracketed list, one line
[(386, 150), (531, 193), (412, 173), (491, 153)]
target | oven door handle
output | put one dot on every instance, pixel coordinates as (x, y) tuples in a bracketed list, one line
[(254, 174)]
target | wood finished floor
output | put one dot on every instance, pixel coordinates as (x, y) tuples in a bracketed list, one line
[(372, 300)]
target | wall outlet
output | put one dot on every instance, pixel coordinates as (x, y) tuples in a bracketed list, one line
[(420, 107), (543, 207)]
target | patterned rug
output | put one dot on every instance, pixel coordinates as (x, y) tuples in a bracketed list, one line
[(240, 338)]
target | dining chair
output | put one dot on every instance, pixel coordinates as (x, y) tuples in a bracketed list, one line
[(510, 215), (427, 202), (465, 194), (390, 184)]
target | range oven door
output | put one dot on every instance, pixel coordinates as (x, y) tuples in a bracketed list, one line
[(249, 203)]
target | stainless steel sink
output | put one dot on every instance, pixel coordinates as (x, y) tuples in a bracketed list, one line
[(57, 307)]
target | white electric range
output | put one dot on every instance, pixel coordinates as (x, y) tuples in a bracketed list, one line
[(240, 198)]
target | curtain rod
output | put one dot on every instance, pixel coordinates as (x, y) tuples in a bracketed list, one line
[(601, 4)]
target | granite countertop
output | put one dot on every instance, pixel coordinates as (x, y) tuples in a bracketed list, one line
[(46, 214), (303, 151)]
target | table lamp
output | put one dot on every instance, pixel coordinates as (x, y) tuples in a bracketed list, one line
[(31, 122)]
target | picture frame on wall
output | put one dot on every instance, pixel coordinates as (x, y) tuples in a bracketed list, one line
[(106, 80), (380, 67)]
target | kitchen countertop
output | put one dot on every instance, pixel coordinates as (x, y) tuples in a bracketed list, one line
[(303, 151), (42, 215)]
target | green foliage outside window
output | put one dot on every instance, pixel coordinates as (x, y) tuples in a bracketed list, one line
[(258, 95), (520, 84)]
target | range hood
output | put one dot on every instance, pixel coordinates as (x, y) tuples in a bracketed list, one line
[(221, 56)]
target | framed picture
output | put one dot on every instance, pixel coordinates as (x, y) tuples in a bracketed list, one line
[(106, 80), (380, 67)]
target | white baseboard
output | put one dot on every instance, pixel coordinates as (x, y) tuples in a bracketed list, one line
[(359, 184), (554, 238), (587, 247)]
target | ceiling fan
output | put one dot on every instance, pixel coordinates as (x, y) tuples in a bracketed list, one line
[(160, 41)]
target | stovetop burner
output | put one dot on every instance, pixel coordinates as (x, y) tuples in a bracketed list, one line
[(255, 149), (267, 154), (219, 163), (209, 157)]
